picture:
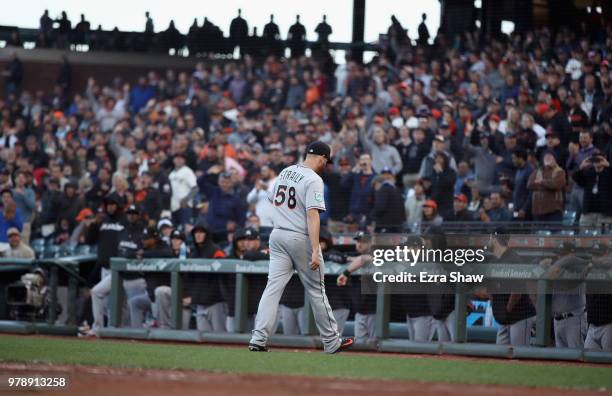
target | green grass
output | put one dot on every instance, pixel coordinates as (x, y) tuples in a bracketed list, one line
[(283, 362)]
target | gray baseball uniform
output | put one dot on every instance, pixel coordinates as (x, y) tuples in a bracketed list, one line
[(297, 189)]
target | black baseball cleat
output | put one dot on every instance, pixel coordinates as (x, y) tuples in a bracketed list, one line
[(257, 348), (345, 344)]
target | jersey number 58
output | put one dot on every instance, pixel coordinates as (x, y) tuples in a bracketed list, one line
[(282, 192)]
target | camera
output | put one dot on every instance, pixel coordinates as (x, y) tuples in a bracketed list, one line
[(28, 298)]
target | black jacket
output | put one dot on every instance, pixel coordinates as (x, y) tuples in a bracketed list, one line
[(388, 208), (156, 279), (462, 215), (130, 241), (523, 309), (152, 204), (204, 288), (339, 297), (599, 202), (107, 235), (442, 187)]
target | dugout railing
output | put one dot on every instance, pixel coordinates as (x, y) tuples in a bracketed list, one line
[(525, 271)]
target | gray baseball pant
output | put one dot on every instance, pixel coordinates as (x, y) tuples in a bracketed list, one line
[(291, 251), (446, 328), (599, 337), (101, 291), (365, 328), (139, 305), (341, 315), (569, 332), (163, 299), (212, 318), (420, 329), (516, 334), (292, 320)]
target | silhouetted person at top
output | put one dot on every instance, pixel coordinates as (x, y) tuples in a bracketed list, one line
[(297, 38), (81, 30), (398, 38), (323, 30), (271, 31), (254, 44), (207, 41), (149, 24), (192, 37), (271, 36), (171, 37), (46, 24), (63, 30), (239, 31), (423, 31)]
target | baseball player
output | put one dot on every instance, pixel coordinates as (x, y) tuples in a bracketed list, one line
[(364, 305), (294, 245), (514, 312), (568, 299)]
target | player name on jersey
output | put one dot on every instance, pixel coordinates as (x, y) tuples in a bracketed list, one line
[(290, 175)]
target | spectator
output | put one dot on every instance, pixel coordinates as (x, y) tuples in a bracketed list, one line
[(26, 203), (414, 204), (546, 185), (423, 31), (496, 212), (520, 192), (388, 212), (297, 38), (17, 248), (430, 213), (595, 177), (465, 177), (141, 94), (226, 211), (460, 210), (239, 31), (184, 188), (13, 75), (478, 146), (438, 146), (359, 181), (259, 196), (323, 30), (383, 154), (442, 185), (411, 151), (10, 216)]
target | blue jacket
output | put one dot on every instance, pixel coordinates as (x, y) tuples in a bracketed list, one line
[(6, 224), (362, 192), (140, 96), (223, 207)]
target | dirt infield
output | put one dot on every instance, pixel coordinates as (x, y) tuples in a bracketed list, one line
[(104, 381)]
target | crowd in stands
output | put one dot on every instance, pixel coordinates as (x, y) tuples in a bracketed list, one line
[(513, 129)]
